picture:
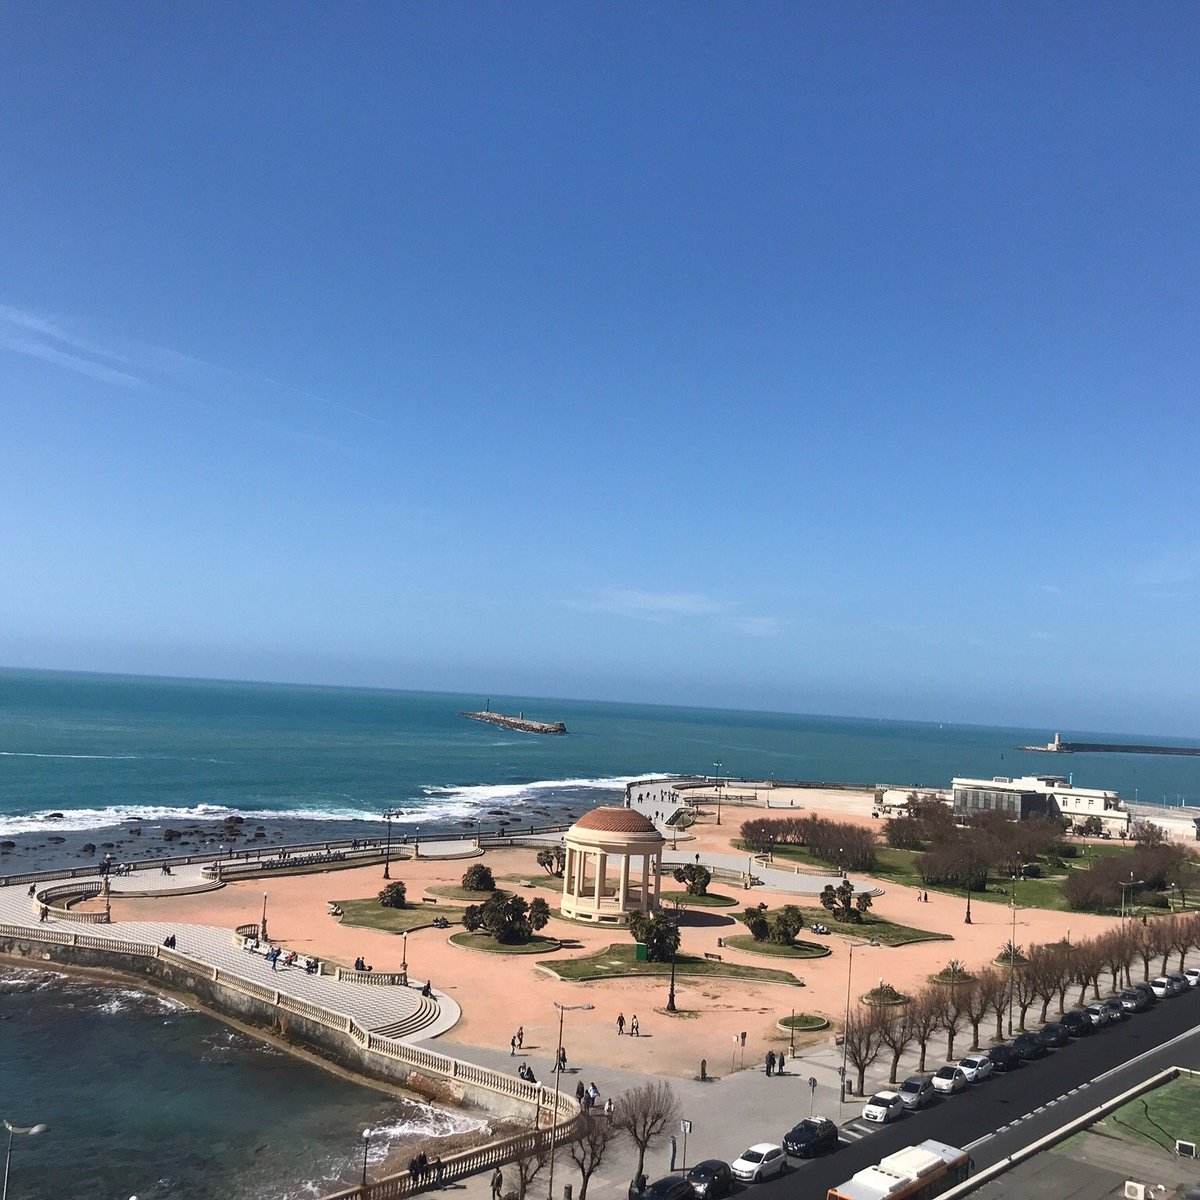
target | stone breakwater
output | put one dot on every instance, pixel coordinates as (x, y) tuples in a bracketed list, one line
[(518, 723)]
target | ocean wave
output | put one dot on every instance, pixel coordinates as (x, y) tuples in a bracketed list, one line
[(439, 804), (107, 757), (420, 1121)]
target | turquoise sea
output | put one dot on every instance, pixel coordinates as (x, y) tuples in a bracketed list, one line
[(149, 1099)]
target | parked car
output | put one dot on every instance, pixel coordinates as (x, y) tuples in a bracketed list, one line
[(1029, 1046), (711, 1179), (1116, 1010), (1054, 1035), (1192, 975), (1098, 1014), (916, 1091), (813, 1136), (949, 1080), (1148, 992), (976, 1067), (1135, 1001), (1077, 1024), (670, 1187), (1162, 987), (1004, 1058), (761, 1161), (1179, 980), (883, 1107)]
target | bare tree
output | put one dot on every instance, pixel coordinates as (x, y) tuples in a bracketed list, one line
[(1043, 975), (528, 1163), (1025, 990), (977, 999), (864, 1039), (925, 1014), (897, 1035), (593, 1136), (1144, 946), (1163, 938), (645, 1113), (1088, 962), (998, 1000), (951, 1006)]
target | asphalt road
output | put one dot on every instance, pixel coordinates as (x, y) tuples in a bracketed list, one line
[(1006, 1112)]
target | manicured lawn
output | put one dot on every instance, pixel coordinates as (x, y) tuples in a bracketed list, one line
[(898, 866), (743, 941), (617, 960), (552, 883), (1159, 1117), (370, 914), (481, 941), (871, 926), (448, 891), (803, 1022), (711, 900)]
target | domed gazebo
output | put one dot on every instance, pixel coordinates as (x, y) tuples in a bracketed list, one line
[(600, 835)]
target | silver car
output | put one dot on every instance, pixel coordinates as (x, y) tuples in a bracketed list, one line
[(916, 1091)]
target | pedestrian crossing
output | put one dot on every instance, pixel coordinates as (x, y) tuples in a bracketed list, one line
[(855, 1130)]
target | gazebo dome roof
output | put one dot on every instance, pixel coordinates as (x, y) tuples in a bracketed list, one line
[(615, 820)]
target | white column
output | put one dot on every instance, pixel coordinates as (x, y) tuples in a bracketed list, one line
[(657, 877), (569, 871), (623, 890), (645, 900), (601, 864)]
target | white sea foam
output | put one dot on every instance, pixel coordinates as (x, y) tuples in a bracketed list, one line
[(421, 1121), (447, 803), (32, 754)]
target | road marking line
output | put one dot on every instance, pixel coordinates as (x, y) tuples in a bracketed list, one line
[(1122, 1066), (978, 1141)]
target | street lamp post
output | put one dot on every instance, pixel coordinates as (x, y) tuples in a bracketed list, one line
[(387, 854), (845, 1028), (404, 951), (262, 929), (678, 906), (563, 1009), (718, 766), (1012, 955), (1127, 904), (12, 1129), (970, 872), (366, 1141)]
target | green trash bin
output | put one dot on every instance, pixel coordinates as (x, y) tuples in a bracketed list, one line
[(640, 952)]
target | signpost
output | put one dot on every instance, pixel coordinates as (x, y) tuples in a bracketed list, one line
[(812, 1093), (685, 1127)]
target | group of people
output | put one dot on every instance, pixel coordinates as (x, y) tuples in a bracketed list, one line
[(169, 941), (525, 1072), (276, 955), (359, 965), (421, 1170), (108, 867), (923, 897), (817, 927), (634, 1028), (516, 1041), (286, 859), (776, 1062), (589, 1097)]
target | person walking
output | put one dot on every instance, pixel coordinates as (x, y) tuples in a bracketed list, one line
[(609, 1109), (620, 1024), (770, 1063), (634, 1028), (497, 1183), (779, 1061), (580, 1092), (512, 1047), (562, 1058), (520, 1036)]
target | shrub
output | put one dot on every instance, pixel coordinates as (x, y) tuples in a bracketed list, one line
[(394, 895), (658, 932), (478, 878), (695, 878)]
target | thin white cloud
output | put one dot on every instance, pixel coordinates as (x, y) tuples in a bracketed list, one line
[(69, 361), (676, 607), (1172, 568), (1052, 589)]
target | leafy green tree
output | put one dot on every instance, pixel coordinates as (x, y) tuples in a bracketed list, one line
[(507, 919), (394, 895), (478, 878), (695, 878), (843, 904), (472, 918), (784, 925), (659, 933), (539, 914)]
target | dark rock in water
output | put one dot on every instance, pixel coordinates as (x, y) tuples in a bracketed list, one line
[(235, 820), (8, 845), (136, 831), (54, 816), (467, 824), (497, 812), (259, 833), (171, 835), (88, 847), (260, 828), (56, 841), (107, 846)]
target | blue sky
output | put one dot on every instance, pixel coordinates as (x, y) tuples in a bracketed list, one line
[(832, 358)]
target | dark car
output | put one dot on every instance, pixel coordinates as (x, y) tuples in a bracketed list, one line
[(813, 1136), (1054, 1035), (1029, 1046), (1116, 1009), (1133, 1000), (1004, 1058), (670, 1187), (1077, 1024), (1145, 990), (711, 1179)]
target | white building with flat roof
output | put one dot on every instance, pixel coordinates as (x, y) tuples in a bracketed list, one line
[(1053, 795)]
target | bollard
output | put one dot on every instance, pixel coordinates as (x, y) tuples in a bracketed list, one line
[(704, 1070), (674, 1148), (567, 1191)]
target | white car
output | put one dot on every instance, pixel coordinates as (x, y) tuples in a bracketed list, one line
[(949, 1080), (1192, 975), (1098, 1014), (883, 1107), (1161, 987), (759, 1162), (975, 1067)]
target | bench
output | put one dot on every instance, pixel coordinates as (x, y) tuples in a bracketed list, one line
[(713, 957), (429, 900)]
